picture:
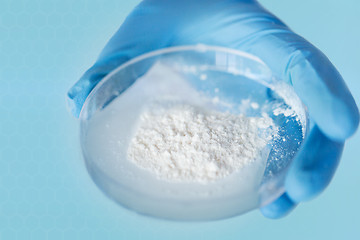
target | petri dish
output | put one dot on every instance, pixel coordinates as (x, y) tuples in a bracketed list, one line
[(229, 81)]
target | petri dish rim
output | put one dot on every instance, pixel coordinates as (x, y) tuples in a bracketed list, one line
[(198, 48)]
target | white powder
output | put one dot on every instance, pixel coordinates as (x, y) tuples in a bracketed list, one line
[(180, 142)]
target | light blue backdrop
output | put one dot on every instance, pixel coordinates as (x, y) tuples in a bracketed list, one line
[(45, 191)]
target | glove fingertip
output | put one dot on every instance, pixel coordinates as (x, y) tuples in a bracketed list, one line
[(279, 208), (313, 167), (76, 97), (73, 106)]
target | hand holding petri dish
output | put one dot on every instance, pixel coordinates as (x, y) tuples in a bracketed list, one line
[(192, 133)]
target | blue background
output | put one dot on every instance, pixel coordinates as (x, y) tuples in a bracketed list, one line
[(45, 191)]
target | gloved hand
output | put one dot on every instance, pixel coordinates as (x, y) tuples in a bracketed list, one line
[(246, 26)]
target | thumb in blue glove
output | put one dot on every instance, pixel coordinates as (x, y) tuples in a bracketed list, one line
[(246, 26)]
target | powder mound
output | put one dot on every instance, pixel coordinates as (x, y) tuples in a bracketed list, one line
[(180, 142)]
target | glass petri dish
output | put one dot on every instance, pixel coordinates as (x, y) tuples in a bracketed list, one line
[(231, 81)]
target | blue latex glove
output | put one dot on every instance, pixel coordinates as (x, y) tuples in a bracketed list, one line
[(246, 26)]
